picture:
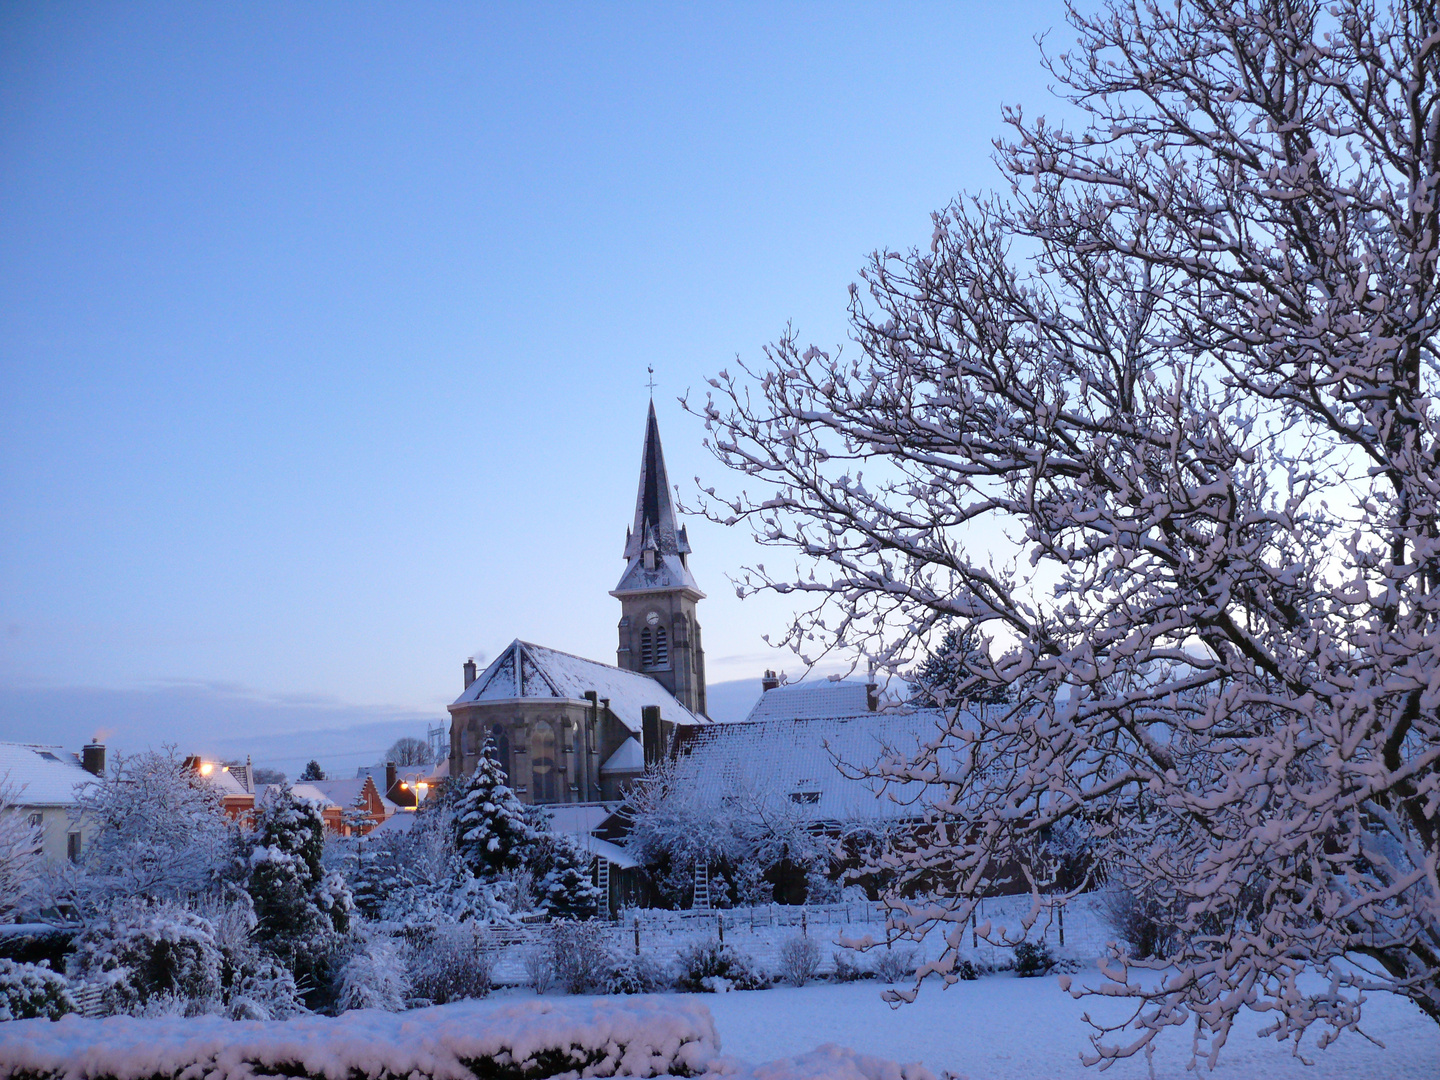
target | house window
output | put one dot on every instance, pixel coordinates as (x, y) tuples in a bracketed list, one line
[(37, 820), (72, 847), (654, 649)]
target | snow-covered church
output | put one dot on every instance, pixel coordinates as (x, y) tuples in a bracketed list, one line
[(571, 730)]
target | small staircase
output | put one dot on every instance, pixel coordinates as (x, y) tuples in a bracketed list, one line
[(602, 879), (702, 888)]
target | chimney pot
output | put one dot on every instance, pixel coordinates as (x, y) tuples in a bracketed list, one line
[(769, 682), (92, 758)]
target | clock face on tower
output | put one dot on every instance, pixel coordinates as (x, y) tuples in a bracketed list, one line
[(653, 618)]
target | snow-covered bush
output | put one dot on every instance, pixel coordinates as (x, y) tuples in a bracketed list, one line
[(1150, 928), (579, 954), (630, 974), (848, 967), (33, 990), (539, 964), (1033, 958), (142, 950), (700, 965), (894, 964), (453, 962), (373, 975), (799, 960), (492, 830)]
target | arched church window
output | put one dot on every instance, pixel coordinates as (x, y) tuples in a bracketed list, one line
[(543, 778), (502, 749)]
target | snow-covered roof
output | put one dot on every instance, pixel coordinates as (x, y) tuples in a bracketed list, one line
[(795, 761), (579, 817), (614, 854), (812, 701), (524, 670), (41, 775), (396, 823), (630, 757), (341, 792)]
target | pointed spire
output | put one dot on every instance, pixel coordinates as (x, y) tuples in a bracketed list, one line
[(654, 513), (655, 529)]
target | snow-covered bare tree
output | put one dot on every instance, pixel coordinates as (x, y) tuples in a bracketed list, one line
[(159, 831), (20, 855), (1187, 365)]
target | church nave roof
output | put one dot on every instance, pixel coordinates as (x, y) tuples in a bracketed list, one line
[(525, 670)]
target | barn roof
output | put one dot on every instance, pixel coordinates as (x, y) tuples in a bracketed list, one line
[(525, 670)]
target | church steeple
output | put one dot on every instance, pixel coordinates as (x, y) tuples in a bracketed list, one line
[(658, 630)]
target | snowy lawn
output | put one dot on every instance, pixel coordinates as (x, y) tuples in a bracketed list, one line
[(1004, 1028)]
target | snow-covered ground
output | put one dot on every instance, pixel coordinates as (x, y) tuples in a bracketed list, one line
[(1004, 1028)]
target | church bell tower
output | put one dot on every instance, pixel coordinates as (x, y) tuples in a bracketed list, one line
[(659, 633)]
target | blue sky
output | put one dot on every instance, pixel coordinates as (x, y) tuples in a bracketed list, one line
[(323, 327)]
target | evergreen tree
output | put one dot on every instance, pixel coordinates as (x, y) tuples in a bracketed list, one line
[(312, 771), (492, 831), (301, 910), (565, 888), (954, 672)]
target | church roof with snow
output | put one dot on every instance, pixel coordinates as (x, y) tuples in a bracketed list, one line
[(797, 764), (524, 670), (656, 545)]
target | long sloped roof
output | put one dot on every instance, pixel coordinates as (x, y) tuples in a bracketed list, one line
[(797, 763), (525, 670), (812, 701), (41, 775)]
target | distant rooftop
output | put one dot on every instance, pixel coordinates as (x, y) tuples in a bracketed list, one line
[(813, 701)]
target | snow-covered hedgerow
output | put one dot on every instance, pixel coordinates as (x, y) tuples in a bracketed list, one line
[(32, 990), (645, 1036)]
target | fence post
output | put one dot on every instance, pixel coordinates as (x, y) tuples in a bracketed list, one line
[(1062, 925), (637, 935), (720, 921), (804, 927)]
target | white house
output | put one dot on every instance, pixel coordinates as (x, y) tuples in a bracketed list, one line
[(43, 783)]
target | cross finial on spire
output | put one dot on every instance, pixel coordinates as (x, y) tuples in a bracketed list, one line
[(651, 369)]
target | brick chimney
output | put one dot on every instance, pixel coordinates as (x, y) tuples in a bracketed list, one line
[(92, 758), (391, 779), (469, 671), (769, 682)]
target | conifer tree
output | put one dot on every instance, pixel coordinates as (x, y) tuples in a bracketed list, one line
[(301, 910), (565, 888), (492, 832), (956, 672)]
